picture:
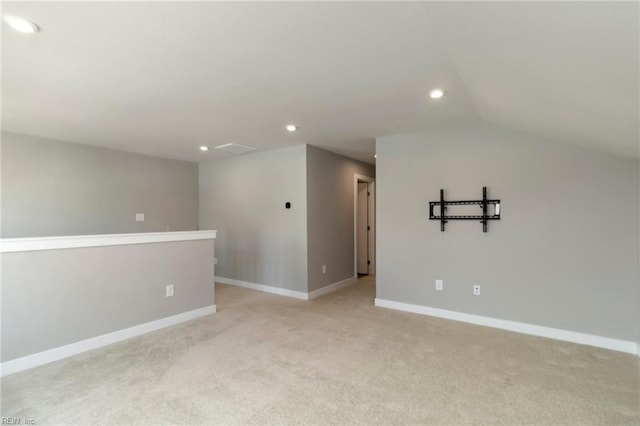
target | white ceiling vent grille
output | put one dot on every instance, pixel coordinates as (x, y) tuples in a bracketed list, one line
[(235, 148)]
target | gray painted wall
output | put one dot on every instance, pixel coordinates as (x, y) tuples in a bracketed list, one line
[(243, 198), (564, 255), (330, 192), (51, 298), (57, 188)]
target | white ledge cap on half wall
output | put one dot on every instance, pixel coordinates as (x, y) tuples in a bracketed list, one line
[(10, 245)]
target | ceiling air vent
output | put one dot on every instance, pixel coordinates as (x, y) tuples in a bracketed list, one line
[(235, 148)]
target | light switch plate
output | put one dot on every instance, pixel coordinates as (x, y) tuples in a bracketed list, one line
[(139, 217)]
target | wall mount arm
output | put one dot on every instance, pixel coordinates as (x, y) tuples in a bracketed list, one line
[(484, 203)]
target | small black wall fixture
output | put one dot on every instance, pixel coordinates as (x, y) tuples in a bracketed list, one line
[(484, 217)]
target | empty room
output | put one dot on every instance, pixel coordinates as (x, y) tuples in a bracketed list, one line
[(304, 213)]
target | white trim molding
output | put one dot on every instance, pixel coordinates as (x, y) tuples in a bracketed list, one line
[(332, 287), (9, 245), (286, 292), (55, 354), (518, 327), (265, 288)]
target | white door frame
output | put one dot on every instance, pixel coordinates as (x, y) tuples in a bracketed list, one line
[(360, 178)]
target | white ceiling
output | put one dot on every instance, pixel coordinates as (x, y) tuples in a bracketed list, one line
[(163, 78)]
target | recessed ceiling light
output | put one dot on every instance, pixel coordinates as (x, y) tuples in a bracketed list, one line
[(291, 128), (20, 24), (204, 148), (375, 155), (436, 94)]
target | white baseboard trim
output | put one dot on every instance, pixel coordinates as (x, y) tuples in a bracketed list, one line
[(286, 292), (262, 287), (332, 287), (55, 354), (518, 327)]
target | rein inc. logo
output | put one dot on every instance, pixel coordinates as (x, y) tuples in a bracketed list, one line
[(18, 421)]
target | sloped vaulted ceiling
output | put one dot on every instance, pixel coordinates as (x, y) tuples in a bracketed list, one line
[(162, 78), (562, 70)]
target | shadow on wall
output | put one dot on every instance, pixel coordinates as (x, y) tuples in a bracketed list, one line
[(261, 256)]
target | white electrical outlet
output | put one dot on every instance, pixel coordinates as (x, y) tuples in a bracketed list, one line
[(439, 285), (169, 291), (324, 269), (215, 260), (139, 217), (476, 290)]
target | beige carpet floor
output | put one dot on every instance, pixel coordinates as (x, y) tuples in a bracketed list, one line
[(267, 359)]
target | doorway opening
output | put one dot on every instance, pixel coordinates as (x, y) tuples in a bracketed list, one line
[(364, 226)]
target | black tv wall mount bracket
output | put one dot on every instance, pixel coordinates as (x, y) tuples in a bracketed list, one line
[(484, 204)]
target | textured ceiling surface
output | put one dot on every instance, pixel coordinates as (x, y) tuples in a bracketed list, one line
[(163, 78)]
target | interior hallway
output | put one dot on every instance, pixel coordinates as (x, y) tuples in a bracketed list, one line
[(267, 359)]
